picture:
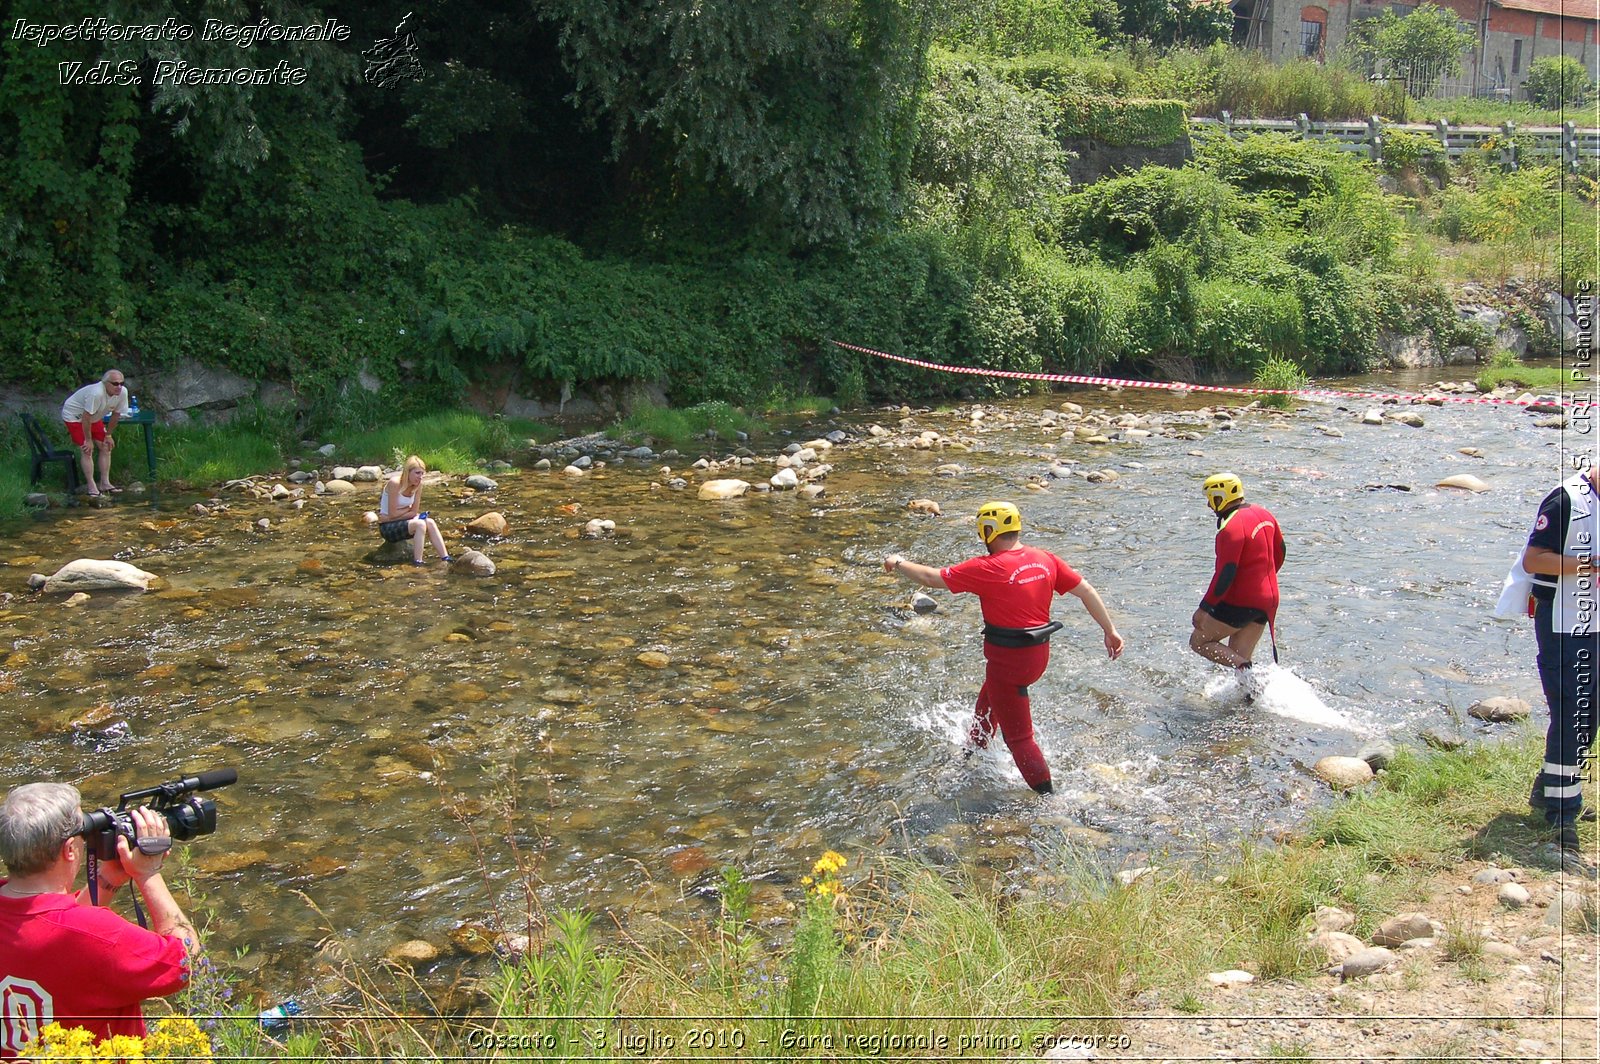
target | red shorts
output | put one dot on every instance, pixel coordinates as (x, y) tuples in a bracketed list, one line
[(75, 430)]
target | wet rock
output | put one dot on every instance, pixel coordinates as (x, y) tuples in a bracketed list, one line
[(279, 493), (1464, 481), (1367, 962), (723, 489), (472, 563), (1372, 417), (1442, 739), (300, 476), (491, 525), (653, 659), (812, 491), (36, 581), (479, 482), (1502, 709), (1377, 753), (784, 480), (77, 598), (1343, 773), (542, 464), (923, 603), (415, 952), (1513, 895), (37, 500), (575, 472), (1402, 928), (924, 506), (949, 469), (598, 527), (89, 574), (1557, 421), (1407, 417)]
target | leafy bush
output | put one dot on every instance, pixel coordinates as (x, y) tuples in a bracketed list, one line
[(1558, 81), (1283, 374)]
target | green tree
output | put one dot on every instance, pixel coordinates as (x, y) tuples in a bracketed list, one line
[(805, 108), (1023, 27), (1558, 81), (1165, 23), (1416, 49)]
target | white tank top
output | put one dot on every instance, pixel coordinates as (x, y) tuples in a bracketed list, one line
[(383, 502)]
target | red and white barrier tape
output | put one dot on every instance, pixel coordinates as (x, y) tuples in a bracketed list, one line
[(1175, 386)]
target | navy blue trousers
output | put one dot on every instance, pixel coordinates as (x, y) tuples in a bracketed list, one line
[(1567, 666)]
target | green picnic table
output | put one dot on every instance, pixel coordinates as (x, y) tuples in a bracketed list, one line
[(145, 419)]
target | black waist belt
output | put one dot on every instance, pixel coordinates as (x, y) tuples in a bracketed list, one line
[(1020, 637)]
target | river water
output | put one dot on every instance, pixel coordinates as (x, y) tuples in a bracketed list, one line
[(414, 747)]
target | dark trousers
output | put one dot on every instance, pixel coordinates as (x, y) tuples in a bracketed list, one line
[(1567, 666)]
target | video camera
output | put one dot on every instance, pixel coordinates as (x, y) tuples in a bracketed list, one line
[(186, 815)]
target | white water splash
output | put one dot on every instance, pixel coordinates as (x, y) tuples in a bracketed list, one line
[(1283, 693)]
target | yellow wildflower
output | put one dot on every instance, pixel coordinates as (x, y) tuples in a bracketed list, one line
[(828, 864)]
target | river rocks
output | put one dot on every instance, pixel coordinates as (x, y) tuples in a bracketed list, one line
[(1332, 918), (1230, 978), (1513, 895), (479, 482), (88, 574), (1336, 947), (343, 472), (812, 491), (1407, 417), (1442, 738), (1502, 709), (413, 953), (653, 659), (1402, 928), (368, 474), (598, 527), (1343, 773), (1367, 962), (717, 490), (77, 598), (1556, 421), (923, 602), (1489, 877), (338, 487), (924, 506), (1377, 753), (471, 563), (1464, 481), (38, 500), (785, 480), (1372, 417), (491, 525)]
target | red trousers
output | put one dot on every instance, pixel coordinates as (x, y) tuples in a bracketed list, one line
[(1003, 702)]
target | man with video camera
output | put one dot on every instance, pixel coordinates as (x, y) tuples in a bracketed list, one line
[(69, 960)]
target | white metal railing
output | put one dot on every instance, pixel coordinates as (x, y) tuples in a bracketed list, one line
[(1567, 143)]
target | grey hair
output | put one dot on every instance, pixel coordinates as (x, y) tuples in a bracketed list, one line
[(35, 819), (107, 374)]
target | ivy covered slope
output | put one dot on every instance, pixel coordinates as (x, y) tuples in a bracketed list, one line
[(701, 195)]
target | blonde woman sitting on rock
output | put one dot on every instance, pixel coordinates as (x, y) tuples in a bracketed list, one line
[(400, 514)]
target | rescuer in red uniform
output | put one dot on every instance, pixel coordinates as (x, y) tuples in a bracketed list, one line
[(1242, 601), (1015, 585)]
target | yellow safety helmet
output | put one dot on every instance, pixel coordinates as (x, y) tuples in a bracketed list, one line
[(1223, 490), (995, 519)]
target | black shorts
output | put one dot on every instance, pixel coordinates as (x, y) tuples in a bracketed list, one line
[(1235, 616), (395, 531)]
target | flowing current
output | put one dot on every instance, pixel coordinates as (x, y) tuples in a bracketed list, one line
[(612, 720)]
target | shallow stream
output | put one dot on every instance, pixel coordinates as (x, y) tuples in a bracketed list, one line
[(413, 744)]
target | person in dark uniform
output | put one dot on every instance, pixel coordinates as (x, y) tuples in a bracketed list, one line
[(1560, 557), (1242, 602), (1015, 585)]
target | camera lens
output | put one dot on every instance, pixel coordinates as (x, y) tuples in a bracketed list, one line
[(197, 816)]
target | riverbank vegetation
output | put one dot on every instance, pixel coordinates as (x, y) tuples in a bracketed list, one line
[(1057, 953), (887, 173)]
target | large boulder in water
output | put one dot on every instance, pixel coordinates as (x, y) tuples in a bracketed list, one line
[(90, 574)]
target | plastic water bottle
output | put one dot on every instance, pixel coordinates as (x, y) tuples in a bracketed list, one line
[(277, 1018), (133, 405)]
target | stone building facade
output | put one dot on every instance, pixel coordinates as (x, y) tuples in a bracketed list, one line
[(1510, 34)]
